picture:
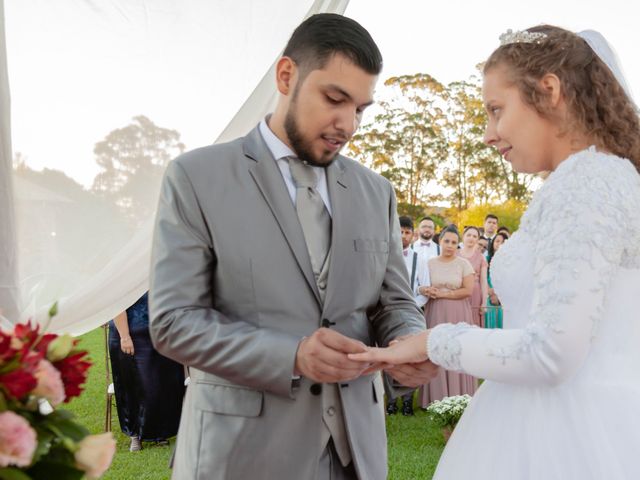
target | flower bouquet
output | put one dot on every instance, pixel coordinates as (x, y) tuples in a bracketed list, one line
[(38, 372), (446, 412)]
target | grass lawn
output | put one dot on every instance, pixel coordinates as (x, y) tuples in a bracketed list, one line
[(415, 444)]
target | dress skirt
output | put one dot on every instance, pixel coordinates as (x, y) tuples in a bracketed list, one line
[(446, 384), (149, 387)]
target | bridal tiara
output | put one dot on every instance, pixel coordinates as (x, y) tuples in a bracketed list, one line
[(521, 36)]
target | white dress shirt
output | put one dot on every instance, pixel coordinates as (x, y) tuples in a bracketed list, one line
[(426, 249), (421, 278), (280, 152)]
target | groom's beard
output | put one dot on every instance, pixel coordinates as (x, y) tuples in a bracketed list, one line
[(302, 146)]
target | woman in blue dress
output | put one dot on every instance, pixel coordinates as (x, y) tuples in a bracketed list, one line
[(493, 314), (148, 386)]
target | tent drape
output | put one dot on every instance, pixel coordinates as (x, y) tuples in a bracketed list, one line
[(88, 246)]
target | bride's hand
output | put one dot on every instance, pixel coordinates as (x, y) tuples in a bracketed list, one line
[(412, 349)]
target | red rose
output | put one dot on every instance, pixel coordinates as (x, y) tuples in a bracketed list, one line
[(73, 370), (44, 342), (25, 333), (28, 336), (6, 351), (18, 383)]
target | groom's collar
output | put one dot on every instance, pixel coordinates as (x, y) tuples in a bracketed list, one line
[(277, 147)]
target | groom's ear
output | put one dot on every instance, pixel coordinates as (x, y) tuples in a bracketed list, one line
[(286, 75)]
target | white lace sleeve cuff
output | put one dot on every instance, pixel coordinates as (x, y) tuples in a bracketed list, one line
[(443, 346)]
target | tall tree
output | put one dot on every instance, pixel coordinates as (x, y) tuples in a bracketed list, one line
[(474, 172), (428, 140), (404, 142), (132, 160)]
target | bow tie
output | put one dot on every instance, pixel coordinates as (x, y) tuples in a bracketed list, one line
[(405, 253)]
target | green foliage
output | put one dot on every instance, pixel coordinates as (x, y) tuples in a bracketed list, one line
[(427, 139), (405, 142), (10, 473), (508, 212), (414, 446), (448, 411)]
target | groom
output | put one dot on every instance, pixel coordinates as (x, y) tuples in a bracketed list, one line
[(273, 258)]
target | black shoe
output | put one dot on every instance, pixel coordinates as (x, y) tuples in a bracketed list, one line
[(407, 408), (392, 408)]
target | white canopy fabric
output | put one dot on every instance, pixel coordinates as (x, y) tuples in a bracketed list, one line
[(133, 71)]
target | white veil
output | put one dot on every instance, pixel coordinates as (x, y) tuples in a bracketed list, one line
[(605, 52)]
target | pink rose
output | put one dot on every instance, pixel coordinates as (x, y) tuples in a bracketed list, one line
[(17, 440), (95, 453), (50, 385)]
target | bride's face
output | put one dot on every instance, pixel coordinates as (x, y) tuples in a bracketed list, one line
[(521, 135)]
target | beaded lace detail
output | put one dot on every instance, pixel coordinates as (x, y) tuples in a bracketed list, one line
[(443, 346), (584, 219)]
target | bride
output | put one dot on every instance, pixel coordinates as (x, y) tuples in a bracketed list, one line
[(561, 398)]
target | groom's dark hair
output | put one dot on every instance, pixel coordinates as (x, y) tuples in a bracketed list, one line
[(321, 36)]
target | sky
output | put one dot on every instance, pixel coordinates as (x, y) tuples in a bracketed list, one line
[(79, 69)]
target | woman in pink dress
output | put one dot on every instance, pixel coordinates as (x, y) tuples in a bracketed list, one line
[(470, 251), (452, 279)]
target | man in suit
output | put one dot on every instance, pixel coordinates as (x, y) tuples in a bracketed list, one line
[(425, 245), (490, 226), (267, 324)]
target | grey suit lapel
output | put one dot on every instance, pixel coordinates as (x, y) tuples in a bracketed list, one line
[(266, 174), (341, 235)]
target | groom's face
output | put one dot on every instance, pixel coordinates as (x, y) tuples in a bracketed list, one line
[(326, 108)]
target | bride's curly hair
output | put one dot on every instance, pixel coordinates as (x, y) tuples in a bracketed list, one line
[(598, 105)]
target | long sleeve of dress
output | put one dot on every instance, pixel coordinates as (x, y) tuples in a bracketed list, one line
[(581, 227)]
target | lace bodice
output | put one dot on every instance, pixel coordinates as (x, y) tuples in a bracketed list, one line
[(579, 236)]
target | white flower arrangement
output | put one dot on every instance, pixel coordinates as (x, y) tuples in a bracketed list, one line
[(446, 412)]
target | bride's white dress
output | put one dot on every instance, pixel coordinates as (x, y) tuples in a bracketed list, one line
[(561, 400)]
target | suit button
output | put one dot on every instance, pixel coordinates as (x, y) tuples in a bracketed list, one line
[(315, 389), (331, 411)]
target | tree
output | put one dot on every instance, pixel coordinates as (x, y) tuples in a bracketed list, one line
[(405, 142), (475, 172), (508, 212), (428, 141), (132, 160)]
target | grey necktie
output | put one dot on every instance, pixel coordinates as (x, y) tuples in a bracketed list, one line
[(316, 226), (313, 215)]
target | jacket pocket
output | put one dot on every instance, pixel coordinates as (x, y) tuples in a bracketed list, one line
[(371, 245), (228, 399)]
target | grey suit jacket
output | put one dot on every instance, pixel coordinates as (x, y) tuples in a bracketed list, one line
[(232, 294)]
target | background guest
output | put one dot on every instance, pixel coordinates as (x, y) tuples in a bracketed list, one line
[(471, 252), (493, 314), (426, 246), (452, 279), (490, 226), (483, 244), (149, 387)]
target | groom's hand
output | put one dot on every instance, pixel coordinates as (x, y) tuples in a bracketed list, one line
[(322, 357), (414, 374)]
